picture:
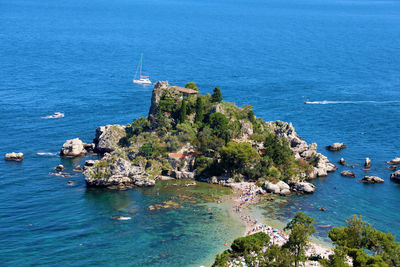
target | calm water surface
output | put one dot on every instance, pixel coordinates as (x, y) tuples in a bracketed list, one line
[(79, 57)]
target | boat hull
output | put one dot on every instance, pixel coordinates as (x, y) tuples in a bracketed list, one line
[(142, 81)]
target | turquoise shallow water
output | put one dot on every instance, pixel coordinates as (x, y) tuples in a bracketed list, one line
[(78, 57)]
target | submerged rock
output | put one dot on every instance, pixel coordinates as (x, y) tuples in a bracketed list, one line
[(392, 168), (14, 156), (336, 146), (395, 177), (348, 174), (62, 174), (78, 169), (371, 180), (73, 148), (394, 161)]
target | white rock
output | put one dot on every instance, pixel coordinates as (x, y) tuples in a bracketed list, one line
[(336, 146), (305, 187), (282, 185), (107, 137), (394, 161), (73, 148), (14, 156), (272, 188), (372, 180), (285, 192)]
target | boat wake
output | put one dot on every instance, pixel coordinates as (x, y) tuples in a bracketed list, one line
[(56, 115), (46, 154), (121, 218), (326, 102)]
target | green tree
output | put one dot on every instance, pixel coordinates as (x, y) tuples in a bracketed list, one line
[(216, 96), (146, 151), (191, 85), (167, 105), (182, 112), (350, 236), (139, 125), (359, 236), (338, 259), (278, 256), (301, 228), (207, 143), (254, 242), (199, 110), (221, 260), (236, 156), (219, 123), (278, 150)]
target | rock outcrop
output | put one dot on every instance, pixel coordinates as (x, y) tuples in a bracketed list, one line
[(116, 173), (162, 90), (183, 174), (395, 177), (59, 168), (336, 146), (342, 162), (367, 163), (302, 150), (73, 148), (348, 174), (278, 188), (304, 187), (107, 138), (14, 156), (371, 180), (394, 161)]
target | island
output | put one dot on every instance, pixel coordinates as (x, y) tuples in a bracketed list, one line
[(188, 135)]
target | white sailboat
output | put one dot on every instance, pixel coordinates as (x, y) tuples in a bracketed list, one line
[(142, 79)]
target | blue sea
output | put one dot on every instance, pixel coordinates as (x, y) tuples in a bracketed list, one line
[(79, 58)]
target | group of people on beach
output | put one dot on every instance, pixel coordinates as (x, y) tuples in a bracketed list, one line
[(248, 194)]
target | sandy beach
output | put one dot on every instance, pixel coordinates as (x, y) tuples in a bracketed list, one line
[(247, 194)]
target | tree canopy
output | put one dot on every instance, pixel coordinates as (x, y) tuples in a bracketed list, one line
[(235, 156), (217, 95), (301, 228), (359, 237), (191, 85)]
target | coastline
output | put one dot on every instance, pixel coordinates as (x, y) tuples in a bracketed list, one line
[(241, 207)]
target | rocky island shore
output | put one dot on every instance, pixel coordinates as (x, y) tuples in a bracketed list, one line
[(187, 135)]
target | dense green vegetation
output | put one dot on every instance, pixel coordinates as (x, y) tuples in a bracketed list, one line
[(366, 245), (226, 139), (358, 241)]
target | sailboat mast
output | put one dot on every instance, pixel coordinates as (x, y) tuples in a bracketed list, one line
[(141, 62)]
